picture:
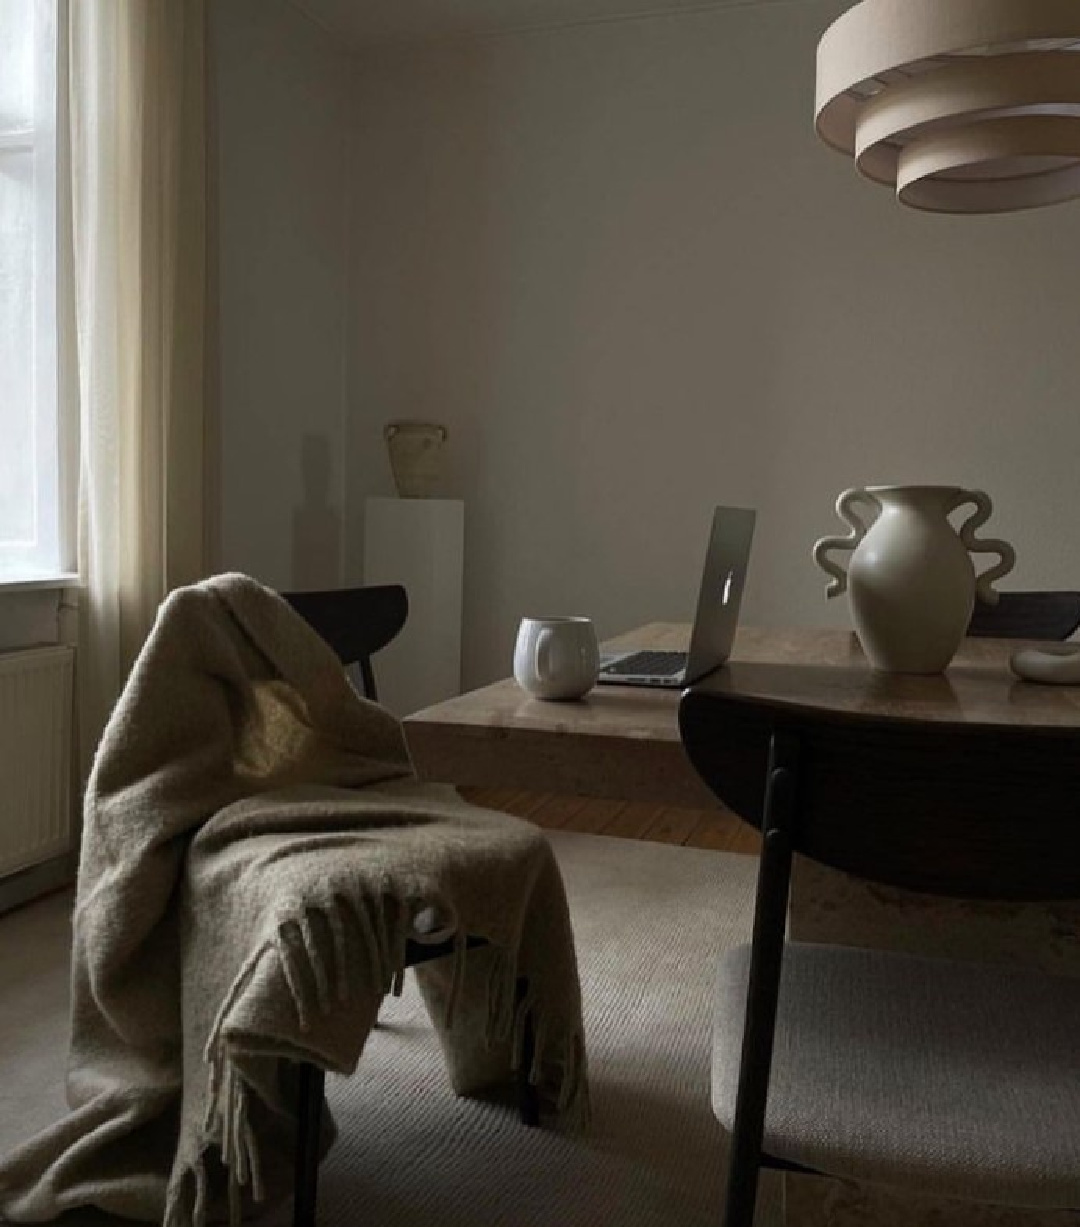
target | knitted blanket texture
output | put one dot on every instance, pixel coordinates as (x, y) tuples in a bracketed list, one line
[(256, 854)]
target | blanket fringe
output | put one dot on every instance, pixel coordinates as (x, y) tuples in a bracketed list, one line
[(337, 915), (289, 961), (315, 963), (198, 1213), (571, 1093), (501, 990), (380, 929), (399, 945), (382, 937)]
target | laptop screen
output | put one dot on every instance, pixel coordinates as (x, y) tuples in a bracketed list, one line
[(723, 580)]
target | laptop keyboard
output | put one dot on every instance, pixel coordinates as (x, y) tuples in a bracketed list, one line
[(649, 664)]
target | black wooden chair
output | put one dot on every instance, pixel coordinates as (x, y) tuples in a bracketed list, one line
[(1027, 615), (942, 1076), (357, 623)]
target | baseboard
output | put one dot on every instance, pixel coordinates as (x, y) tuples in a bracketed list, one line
[(28, 884)]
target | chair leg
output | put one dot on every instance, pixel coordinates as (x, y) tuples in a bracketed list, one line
[(312, 1081), (527, 1094), (767, 952)]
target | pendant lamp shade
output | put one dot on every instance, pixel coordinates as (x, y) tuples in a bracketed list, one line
[(964, 106)]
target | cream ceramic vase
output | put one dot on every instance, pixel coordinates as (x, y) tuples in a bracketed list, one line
[(911, 579), (416, 455)]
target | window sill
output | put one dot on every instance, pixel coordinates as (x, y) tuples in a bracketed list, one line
[(39, 583)]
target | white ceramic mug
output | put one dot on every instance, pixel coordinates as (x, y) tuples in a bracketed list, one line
[(556, 658)]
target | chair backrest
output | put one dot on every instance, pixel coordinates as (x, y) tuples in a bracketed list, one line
[(961, 811), (355, 622), (1027, 615)]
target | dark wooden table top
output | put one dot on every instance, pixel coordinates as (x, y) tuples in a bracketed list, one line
[(825, 671)]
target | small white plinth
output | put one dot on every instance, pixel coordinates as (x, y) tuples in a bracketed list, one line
[(419, 543)]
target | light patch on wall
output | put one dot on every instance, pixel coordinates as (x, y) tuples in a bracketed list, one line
[(377, 22), (316, 523)]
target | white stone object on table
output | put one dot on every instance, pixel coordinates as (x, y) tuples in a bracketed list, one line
[(419, 543), (1057, 664)]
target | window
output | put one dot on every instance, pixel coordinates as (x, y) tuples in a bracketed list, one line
[(30, 520)]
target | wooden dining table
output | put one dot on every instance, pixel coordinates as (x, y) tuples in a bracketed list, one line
[(623, 743), (618, 743)]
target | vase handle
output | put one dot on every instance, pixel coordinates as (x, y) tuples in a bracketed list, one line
[(845, 509), (984, 545)]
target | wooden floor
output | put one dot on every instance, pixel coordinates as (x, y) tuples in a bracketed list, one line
[(693, 828)]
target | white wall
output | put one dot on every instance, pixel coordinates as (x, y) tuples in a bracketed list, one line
[(284, 108), (616, 261)]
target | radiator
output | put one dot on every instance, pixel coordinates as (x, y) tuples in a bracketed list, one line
[(35, 756)]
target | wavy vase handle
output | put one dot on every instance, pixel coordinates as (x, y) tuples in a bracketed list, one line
[(984, 545), (845, 509)]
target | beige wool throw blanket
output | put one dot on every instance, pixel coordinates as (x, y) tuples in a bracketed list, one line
[(256, 854)]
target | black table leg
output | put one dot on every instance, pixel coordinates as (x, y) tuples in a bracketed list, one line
[(312, 1082)]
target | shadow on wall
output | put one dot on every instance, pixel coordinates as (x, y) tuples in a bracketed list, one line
[(316, 523)]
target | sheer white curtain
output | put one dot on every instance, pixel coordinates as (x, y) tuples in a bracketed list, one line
[(137, 280)]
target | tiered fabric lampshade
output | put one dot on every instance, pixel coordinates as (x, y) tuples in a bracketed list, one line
[(964, 106)]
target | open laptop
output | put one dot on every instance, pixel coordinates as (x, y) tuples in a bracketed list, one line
[(722, 583)]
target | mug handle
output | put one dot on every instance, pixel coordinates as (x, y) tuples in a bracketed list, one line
[(845, 509), (984, 545), (542, 654)]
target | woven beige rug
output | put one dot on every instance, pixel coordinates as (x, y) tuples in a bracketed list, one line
[(648, 919)]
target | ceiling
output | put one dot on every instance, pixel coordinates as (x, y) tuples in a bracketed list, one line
[(373, 21)]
